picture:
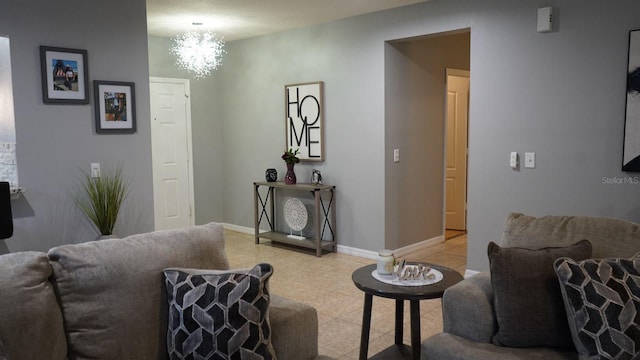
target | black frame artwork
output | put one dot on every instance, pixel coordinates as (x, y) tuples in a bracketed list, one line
[(64, 74), (115, 107), (631, 150)]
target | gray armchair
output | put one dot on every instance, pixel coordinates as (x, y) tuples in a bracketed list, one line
[(468, 307)]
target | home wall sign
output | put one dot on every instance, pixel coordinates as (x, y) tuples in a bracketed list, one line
[(304, 114), (631, 151)]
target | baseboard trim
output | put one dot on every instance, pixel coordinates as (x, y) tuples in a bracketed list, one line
[(238, 228), (342, 249), (406, 250), (469, 273), (348, 250)]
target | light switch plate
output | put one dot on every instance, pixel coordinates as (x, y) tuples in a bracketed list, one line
[(545, 19), (513, 160)]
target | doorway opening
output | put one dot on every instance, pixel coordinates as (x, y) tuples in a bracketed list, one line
[(416, 127), (456, 151)]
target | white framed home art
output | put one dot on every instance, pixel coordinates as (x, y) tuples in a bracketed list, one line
[(304, 113)]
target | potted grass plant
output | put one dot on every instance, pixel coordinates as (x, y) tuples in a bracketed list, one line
[(100, 199)]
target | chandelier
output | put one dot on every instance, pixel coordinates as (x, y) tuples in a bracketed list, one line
[(198, 52)]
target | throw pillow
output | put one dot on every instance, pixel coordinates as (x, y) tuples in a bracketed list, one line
[(219, 314), (602, 298), (527, 297)]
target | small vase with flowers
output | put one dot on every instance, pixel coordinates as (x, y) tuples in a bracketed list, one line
[(290, 159)]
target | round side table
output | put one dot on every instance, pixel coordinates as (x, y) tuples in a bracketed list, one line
[(364, 281)]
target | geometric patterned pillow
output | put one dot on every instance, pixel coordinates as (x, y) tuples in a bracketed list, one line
[(602, 299), (219, 314)]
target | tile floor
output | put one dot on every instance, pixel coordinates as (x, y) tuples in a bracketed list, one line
[(326, 284)]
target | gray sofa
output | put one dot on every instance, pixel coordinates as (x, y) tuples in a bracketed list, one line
[(468, 307), (107, 300)]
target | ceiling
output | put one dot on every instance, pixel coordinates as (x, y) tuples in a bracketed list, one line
[(240, 19)]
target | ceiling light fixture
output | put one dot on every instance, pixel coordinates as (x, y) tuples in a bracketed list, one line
[(199, 52)]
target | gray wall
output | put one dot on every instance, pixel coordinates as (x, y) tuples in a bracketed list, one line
[(415, 90), (206, 130), (561, 95), (54, 142), (252, 103)]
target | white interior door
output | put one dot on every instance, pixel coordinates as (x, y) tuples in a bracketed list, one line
[(171, 153), (456, 153)]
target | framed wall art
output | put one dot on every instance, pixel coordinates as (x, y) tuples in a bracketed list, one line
[(64, 75), (631, 151), (304, 112), (115, 107)]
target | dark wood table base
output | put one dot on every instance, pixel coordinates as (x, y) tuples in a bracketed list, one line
[(398, 349), (394, 352), (363, 279)]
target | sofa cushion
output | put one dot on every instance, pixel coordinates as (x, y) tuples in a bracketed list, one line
[(30, 319), (112, 293), (527, 300), (610, 238), (445, 346), (602, 298), (219, 314)]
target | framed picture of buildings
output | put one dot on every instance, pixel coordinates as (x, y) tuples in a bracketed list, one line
[(64, 75), (304, 113), (631, 151), (115, 107)]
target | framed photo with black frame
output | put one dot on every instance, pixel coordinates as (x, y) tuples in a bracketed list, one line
[(115, 107), (631, 150), (64, 75)]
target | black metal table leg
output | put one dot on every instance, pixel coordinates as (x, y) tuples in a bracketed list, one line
[(415, 328), (366, 326), (399, 321)]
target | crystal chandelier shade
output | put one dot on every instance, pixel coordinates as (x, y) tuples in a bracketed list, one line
[(198, 52)]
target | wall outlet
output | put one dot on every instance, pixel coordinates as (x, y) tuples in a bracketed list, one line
[(95, 170), (396, 155), (529, 160)]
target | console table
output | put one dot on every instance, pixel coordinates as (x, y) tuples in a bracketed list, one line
[(324, 216)]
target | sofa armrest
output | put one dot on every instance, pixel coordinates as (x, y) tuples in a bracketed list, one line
[(294, 329), (467, 309)]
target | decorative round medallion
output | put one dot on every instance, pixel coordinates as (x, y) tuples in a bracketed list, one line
[(295, 214)]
